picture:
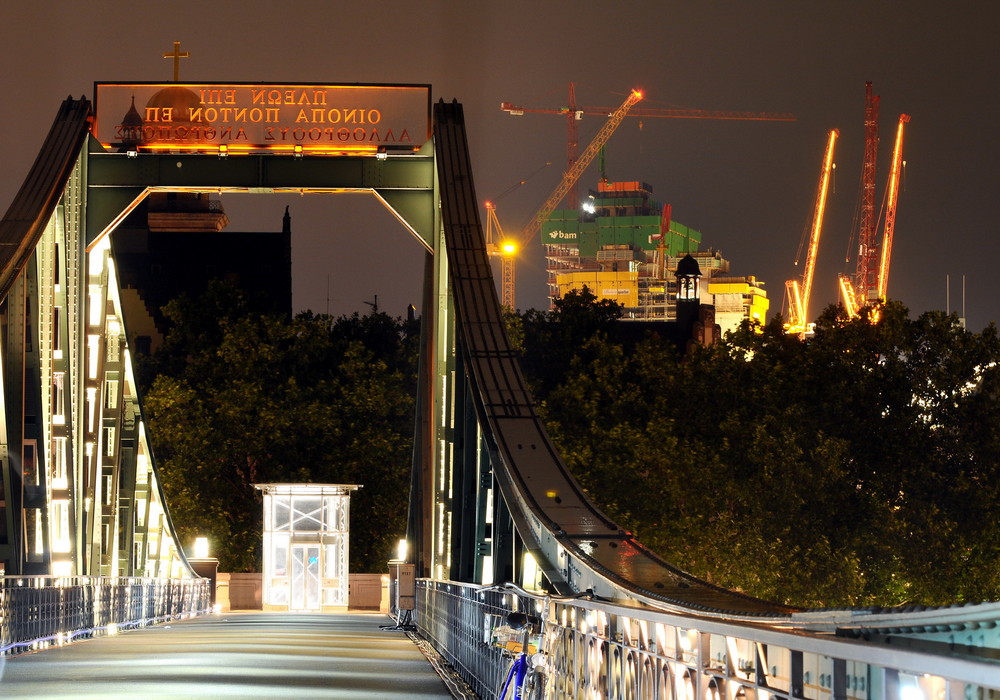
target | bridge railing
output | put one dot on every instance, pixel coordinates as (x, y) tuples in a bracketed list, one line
[(41, 611), (457, 619), (595, 649)]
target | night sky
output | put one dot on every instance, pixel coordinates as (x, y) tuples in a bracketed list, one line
[(749, 187)]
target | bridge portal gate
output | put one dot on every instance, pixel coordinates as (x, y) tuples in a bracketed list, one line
[(81, 494)]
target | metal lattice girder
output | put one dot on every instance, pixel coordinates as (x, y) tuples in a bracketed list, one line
[(117, 180)]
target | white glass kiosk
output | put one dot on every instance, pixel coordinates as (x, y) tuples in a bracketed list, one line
[(306, 537)]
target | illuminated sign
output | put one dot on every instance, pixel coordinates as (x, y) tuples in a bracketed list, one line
[(234, 118)]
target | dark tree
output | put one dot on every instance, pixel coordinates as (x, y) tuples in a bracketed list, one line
[(255, 399), (857, 467)]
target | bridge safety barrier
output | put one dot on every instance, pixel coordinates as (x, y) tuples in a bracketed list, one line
[(41, 611), (595, 649)]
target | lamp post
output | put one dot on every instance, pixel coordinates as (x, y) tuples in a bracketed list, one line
[(204, 565)]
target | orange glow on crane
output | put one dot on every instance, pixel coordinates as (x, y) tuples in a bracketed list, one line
[(573, 174), (574, 113), (798, 296), (848, 296), (506, 250), (892, 196)]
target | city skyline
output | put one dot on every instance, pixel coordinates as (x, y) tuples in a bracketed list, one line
[(749, 187)]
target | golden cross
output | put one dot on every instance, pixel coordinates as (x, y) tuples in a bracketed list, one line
[(177, 55)]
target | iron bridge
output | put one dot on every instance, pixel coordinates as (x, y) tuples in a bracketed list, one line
[(86, 540)]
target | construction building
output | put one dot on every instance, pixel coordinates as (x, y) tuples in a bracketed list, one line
[(622, 245)]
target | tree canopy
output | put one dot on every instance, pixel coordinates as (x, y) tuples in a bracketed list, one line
[(240, 398), (857, 467)]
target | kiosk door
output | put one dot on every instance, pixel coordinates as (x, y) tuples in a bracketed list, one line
[(305, 584)]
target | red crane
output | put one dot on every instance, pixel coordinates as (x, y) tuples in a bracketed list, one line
[(871, 278), (866, 276), (572, 175), (575, 113)]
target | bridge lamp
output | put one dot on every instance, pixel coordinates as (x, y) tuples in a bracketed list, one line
[(402, 550), (201, 548)]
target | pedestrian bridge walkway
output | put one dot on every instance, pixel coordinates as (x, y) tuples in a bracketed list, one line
[(233, 655)]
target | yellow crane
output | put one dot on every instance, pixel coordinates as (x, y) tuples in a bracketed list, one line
[(892, 196), (501, 246), (796, 294)]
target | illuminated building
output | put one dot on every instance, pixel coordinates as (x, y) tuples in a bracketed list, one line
[(624, 246)]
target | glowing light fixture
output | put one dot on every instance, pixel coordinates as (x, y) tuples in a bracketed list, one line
[(508, 248), (201, 548)]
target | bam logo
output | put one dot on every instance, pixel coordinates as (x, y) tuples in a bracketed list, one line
[(555, 235)]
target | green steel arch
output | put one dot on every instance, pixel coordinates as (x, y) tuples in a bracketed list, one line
[(80, 490)]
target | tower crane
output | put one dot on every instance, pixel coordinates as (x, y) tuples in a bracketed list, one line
[(499, 245), (505, 248), (573, 173), (798, 295), (871, 279), (863, 288), (867, 267), (575, 113)]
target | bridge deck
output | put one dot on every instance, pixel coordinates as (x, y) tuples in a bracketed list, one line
[(233, 655)]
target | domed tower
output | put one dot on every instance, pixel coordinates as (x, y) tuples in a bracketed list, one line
[(695, 321), (131, 129), (169, 112), (172, 105), (688, 276)]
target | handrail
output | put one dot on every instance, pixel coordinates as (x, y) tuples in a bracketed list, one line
[(41, 611)]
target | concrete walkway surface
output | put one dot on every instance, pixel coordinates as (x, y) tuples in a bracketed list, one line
[(233, 655)]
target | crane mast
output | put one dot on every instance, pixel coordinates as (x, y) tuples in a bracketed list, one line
[(573, 173), (505, 250), (866, 276), (572, 142), (892, 196), (798, 295)]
